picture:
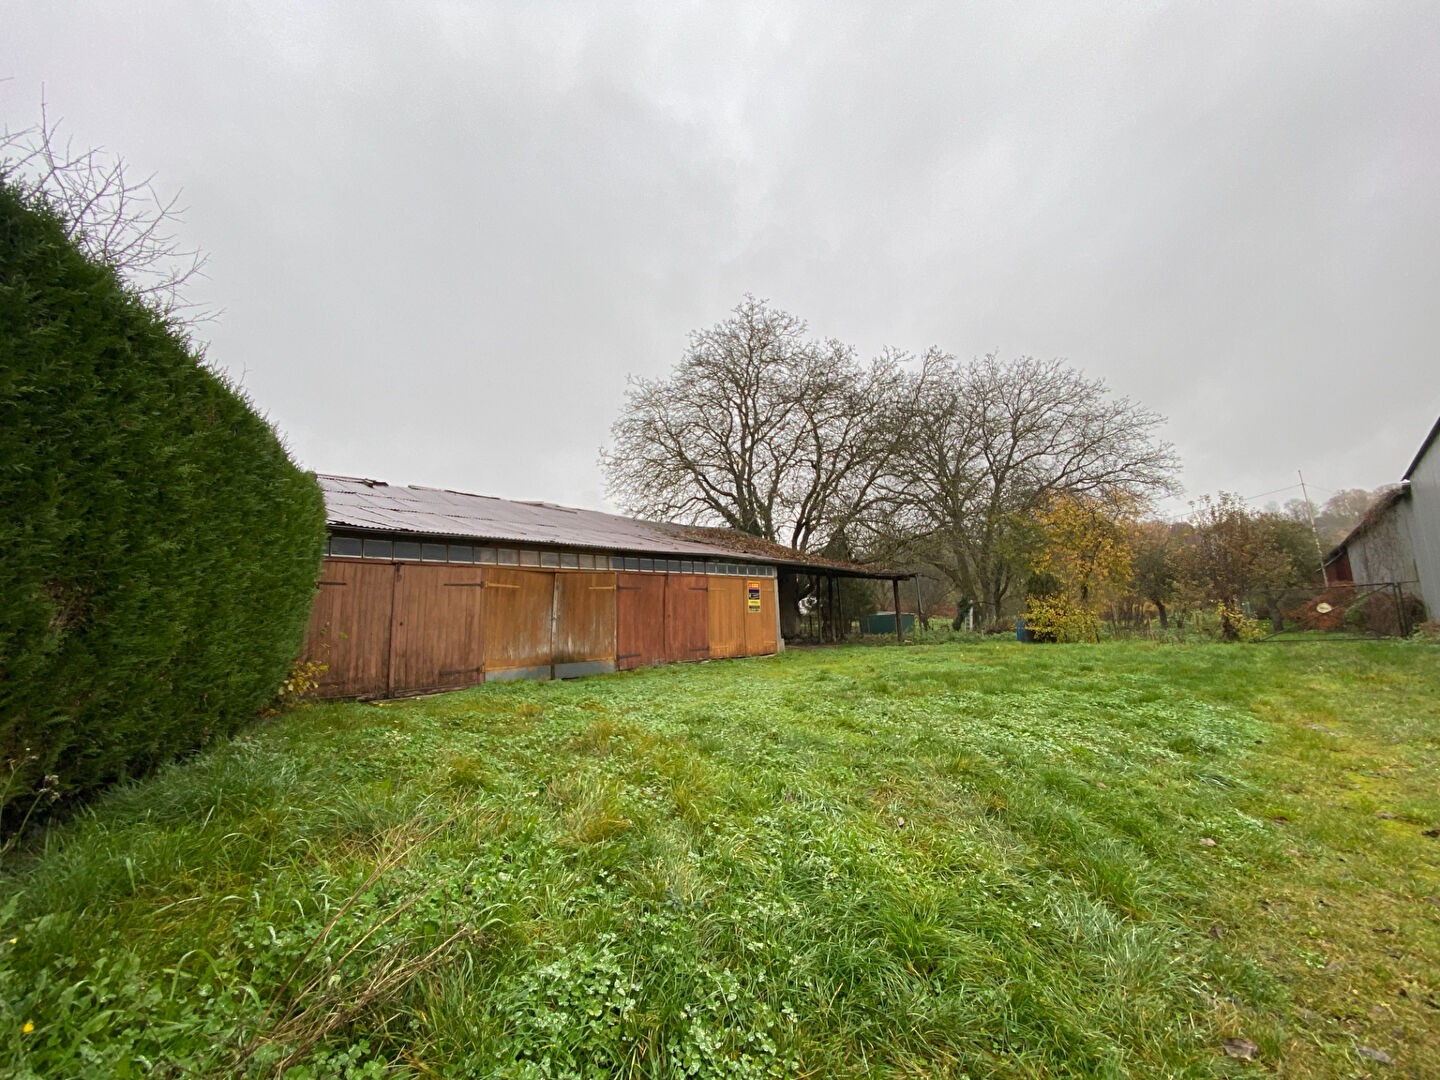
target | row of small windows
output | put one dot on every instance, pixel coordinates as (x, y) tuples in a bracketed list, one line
[(354, 547)]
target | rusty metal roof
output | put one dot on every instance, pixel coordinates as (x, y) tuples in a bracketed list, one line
[(373, 505)]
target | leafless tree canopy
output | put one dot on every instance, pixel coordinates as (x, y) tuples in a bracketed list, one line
[(995, 440), (935, 461), (115, 218), (762, 429)]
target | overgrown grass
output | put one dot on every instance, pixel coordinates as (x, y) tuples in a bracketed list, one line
[(953, 860)]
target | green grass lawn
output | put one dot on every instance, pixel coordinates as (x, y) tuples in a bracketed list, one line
[(951, 860)]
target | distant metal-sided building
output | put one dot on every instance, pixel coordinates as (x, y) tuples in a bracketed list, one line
[(424, 590), (1398, 540)]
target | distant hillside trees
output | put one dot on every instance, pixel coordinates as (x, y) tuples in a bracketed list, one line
[(1155, 571), (1336, 516), (158, 547)]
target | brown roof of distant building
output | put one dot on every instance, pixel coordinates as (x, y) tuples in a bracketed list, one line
[(375, 506)]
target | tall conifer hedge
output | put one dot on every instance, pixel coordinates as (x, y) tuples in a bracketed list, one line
[(158, 547)]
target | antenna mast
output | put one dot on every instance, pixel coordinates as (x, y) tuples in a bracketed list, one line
[(1310, 513)]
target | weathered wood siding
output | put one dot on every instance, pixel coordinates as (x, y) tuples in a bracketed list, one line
[(727, 616), (391, 628), (761, 627), (519, 609), (687, 617), (1384, 551), (639, 619), (1425, 524), (438, 637), (350, 628), (584, 624)]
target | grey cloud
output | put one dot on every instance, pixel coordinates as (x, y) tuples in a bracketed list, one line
[(443, 233)]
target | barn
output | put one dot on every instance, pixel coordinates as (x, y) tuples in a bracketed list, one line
[(1378, 549), (1398, 540), (423, 590)]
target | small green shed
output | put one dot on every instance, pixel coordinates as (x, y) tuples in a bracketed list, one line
[(883, 622)]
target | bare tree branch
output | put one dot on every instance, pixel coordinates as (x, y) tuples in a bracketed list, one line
[(994, 441), (116, 219), (762, 429)]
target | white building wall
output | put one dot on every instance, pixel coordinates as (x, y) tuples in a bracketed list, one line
[(1425, 526), (1385, 551)]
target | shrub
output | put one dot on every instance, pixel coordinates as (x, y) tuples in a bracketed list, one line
[(1347, 608), (1235, 625), (1385, 615), (158, 547), (1058, 618)]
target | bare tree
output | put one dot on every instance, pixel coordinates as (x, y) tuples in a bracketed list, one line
[(994, 441), (762, 429), (115, 218)]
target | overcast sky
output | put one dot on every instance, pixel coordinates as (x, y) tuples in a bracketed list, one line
[(443, 233)]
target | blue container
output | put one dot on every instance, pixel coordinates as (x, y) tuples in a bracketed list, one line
[(1023, 632)]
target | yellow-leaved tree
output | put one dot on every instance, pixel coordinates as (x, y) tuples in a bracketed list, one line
[(1084, 560)]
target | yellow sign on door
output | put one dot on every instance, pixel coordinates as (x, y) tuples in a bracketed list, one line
[(752, 597)]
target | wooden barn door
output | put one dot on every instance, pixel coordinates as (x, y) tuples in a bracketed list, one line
[(350, 628), (584, 624), (639, 619), (438, 642), (687, 617), (519, 612), (760, 631), (727, 616)]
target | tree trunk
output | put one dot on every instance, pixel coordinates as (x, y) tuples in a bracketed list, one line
[(996, 598), (1164, 625)]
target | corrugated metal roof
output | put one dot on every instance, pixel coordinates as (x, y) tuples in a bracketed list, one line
[(354, 503)]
